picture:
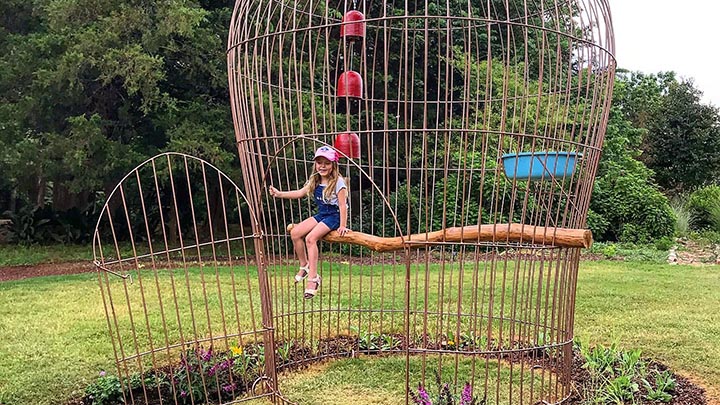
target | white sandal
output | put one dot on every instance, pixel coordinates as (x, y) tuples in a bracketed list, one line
[(309, 292), (305, 270)]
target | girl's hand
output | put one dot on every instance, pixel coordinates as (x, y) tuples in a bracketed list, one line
[(273, 191), (343, 230)]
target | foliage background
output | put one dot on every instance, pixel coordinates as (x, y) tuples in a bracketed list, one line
[(91, 88)]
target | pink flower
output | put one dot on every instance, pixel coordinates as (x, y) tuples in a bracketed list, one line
[(466, 397), (206, 355), (422, 397)]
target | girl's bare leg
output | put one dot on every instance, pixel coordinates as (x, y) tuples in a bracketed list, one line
[(297, 234), (311, 240)]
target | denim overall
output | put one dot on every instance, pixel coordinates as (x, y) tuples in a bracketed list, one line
[(329, 214)]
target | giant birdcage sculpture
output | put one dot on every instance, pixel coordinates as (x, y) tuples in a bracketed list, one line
[(469, 133), (480, 126)]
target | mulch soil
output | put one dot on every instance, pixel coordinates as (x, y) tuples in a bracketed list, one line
[(9, 273)]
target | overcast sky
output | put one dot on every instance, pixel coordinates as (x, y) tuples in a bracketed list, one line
[(661, 35)]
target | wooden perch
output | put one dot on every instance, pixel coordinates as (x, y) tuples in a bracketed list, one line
[(538, 235)]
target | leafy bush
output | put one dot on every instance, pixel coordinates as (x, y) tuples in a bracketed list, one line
[(27, 225), (702, 204), (664, 244), (202, 376), (663, 385), (634, 210), (597, 224), (607, 249), (616, 376), (707, 237), (203, 371), (626, 204), (30, 225), (715, 215), (105, 390), (654, 253)]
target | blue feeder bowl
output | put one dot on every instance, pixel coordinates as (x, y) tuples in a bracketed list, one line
[(539, 165)]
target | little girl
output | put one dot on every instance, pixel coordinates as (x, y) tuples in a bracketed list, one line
[(330, 193)]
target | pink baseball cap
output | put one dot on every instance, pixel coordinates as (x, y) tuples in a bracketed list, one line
[(326, 152)]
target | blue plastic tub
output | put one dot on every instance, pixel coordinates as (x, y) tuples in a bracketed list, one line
[(541, 165)]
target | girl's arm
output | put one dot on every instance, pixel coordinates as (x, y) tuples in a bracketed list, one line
[(342, 203), (290, 195)]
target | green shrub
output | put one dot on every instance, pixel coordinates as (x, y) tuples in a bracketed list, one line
[(609, 250), (597, 224), (684, 218), (664, 244), (702, 204), (616, 376), (663, 385), (649, 253), (634, 210), (715, 215), (107, 389), (707, 236), (625, 195)]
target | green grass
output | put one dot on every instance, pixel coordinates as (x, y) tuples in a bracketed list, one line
[(380, 380), (19, 255), (670, 312), (54, 338), (23, 255)]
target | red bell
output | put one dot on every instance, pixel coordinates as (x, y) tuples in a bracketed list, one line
[(349, 144), (350, 85), (353, 27)]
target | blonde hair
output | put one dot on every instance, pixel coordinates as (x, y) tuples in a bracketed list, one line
[(315, 180)]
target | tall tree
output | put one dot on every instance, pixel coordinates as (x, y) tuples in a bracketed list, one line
[(626, 203), (89, 88), (683, 142)]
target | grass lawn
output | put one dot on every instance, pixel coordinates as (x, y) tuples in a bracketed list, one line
[(54, 340), (379, 380), (672, 313), (15, 255)]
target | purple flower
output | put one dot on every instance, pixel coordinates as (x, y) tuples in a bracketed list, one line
[(466, 396), (423, 395), (205, 355), (102, 373), (183, 394), (229, 387)]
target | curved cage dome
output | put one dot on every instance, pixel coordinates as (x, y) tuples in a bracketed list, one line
[(445, 88)]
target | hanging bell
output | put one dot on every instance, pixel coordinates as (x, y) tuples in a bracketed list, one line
[(349, 92), (353, 26), (349, 144), (350, 85)]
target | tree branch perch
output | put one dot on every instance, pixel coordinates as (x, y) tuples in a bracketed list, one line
[(518, 233)]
